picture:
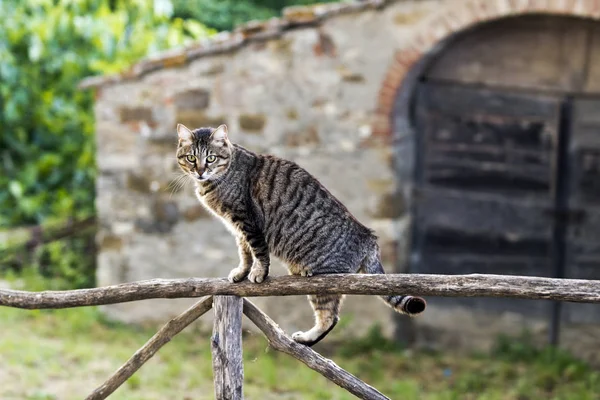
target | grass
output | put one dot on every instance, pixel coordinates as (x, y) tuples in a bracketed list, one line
[(64, 354)]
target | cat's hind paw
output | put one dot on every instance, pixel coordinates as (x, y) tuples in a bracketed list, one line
[(258, 275), (299, 336), (315, 334), (237, 275), (306, 338)]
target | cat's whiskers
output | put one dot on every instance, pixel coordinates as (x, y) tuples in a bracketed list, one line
[(178, 183)]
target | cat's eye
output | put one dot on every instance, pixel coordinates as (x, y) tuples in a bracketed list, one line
[(190, 158), (211, 159)]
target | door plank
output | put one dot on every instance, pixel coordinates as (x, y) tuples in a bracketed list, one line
[(486, 161)]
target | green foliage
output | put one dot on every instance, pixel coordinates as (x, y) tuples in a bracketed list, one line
[(47, 165), (60, 255), (556, 363), (64, 262), (58, 265), (226, 14), (46, 123), (221, 14)]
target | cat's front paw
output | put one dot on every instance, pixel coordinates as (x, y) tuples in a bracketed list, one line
[(237, 275), (258, 274)]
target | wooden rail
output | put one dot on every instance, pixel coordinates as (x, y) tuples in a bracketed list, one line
[(474, 285), (229, 305)]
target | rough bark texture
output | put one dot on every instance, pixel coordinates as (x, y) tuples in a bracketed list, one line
[(330, 370), (162, 337), (226, 344), (475, 285)]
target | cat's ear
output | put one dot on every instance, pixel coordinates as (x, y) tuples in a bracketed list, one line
[(184, 134), (220, 134)]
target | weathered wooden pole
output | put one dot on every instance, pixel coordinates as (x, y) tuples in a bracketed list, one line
[(226, 344), (473, 285)]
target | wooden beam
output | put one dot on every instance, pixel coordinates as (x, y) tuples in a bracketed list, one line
[(330, 370), (475, 285), (162, 337), (226, 344)]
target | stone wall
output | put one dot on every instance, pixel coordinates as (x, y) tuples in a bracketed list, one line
[(326, 86), (307, 94)]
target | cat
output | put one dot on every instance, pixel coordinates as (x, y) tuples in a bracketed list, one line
[(273, 206)]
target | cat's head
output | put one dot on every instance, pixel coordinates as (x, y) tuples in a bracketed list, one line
[(204, 153)]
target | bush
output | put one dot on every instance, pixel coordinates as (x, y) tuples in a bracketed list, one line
[(46, 123), (47, 165), (224, 15)]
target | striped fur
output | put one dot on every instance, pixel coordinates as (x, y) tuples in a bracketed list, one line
[(274, 207)]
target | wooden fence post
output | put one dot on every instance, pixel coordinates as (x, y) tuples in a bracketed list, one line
[(226, 344)]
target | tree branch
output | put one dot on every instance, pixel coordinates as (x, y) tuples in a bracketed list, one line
[(162, 337), (330, 370), (475, 285)]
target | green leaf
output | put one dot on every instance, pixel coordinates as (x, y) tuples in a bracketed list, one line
[(36, 48), (15, 189), (46, 123)]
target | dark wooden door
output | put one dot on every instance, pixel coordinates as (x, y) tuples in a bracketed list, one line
[(508, 158), (485, 186), (583, 218)]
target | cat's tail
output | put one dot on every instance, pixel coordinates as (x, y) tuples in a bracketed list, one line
[(409, 305)]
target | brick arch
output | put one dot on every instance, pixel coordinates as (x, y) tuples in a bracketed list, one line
[(454, 18)]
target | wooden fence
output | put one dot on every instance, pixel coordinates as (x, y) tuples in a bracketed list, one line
[(229, 304)]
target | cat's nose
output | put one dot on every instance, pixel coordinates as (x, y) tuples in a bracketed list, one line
[(199, 173)]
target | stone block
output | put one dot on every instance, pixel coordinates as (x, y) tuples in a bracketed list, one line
[(109, 163), (325, 45), (389, 250), (281, 46), (299, 14), (137, 182), (291, 114), (390, 205), (408, 17), (306, 137), (380, 186), (194, 213), (252, 123), (215, 69), (197, 119), (111, 268), (135, 114), (109, 242), (352, 77), (164, 214), (193, 99)]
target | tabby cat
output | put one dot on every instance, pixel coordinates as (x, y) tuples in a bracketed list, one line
[(273, 206)]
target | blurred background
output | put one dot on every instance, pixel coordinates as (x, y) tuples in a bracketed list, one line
[(463, 132), (47, 123)]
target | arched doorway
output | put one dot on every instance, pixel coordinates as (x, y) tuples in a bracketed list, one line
[(507, 144)]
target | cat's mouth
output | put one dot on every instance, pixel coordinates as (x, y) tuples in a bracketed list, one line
[(203, 178), (199, 177)]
